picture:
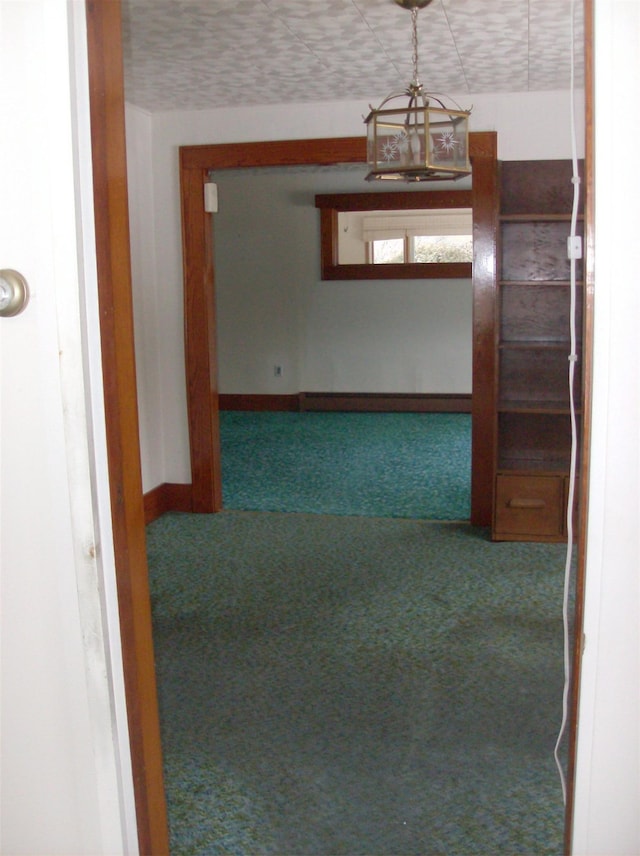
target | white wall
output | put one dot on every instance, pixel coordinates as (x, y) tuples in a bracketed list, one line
[(608, 764), (65, 769), (402, 336), (529, 126), (147, 328), (386, 336)]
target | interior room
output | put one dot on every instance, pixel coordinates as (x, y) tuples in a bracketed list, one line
[(530, 125), (293, 347), (282, 333)]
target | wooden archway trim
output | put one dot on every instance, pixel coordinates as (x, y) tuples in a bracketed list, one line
[(199, 301)]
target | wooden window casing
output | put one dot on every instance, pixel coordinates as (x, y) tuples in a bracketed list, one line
[(331, 204)]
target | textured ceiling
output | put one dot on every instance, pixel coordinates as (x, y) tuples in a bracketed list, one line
[(197, 54)]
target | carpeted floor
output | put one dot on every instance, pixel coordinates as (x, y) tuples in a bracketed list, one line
[(367, 464), (342, 685)]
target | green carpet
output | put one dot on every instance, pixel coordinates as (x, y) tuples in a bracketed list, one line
[(368, 464), (337, 685)]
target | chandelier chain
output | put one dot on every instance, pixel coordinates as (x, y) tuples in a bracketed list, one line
[(414, 40)]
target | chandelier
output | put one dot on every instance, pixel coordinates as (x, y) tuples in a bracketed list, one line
[(423, 140)]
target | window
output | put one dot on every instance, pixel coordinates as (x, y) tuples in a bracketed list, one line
[(422, 249), (431, 249), (430, 236), (387, 251)]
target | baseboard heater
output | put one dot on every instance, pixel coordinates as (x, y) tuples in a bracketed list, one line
[(376, 402)]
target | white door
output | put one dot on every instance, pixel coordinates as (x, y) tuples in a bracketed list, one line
[(65, 771)]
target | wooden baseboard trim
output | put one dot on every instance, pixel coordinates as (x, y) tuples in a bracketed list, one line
[(288, 403), (385, 402), (166, 497), (372, 402)]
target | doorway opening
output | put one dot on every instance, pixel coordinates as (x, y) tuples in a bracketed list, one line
[(328, 374), (202, 427), (196, 164)]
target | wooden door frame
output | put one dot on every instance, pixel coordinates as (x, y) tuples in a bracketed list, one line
[(199, 300), (106, 95), (114, 272), (588, 191)]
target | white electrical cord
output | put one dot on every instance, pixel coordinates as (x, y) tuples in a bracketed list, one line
[(573, 357)]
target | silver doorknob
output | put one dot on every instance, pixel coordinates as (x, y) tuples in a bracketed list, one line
[(14, 293)]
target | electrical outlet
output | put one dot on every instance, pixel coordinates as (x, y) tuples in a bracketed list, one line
[(277, 371)]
